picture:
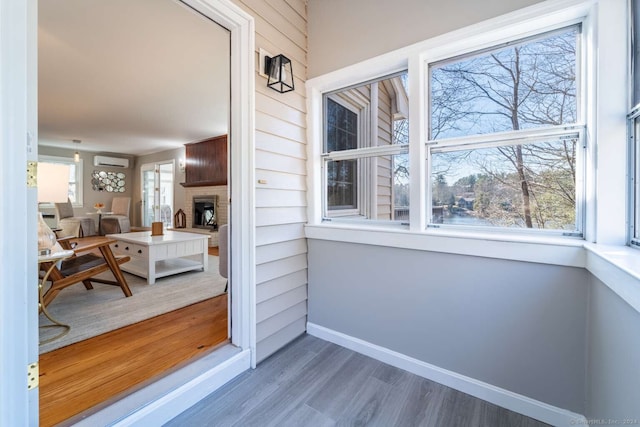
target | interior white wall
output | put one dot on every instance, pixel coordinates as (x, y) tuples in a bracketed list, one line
[(613, 356), (342, 33), (516, 325)]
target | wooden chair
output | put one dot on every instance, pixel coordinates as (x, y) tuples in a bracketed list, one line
[(83, 268)]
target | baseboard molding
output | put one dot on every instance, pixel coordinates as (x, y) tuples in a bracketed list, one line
[(513, 401), (163, 400)]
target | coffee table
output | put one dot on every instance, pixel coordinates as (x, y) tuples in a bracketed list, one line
[(158, 256)]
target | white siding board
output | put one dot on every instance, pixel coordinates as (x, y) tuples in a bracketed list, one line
[(298, 20), (276, 20), (281, 267), (281, 180), (300, 6), (276, 109), (264, 26), (273, 306), (279, 163), (273, 216), (273, 125), (280, 160), (275, 251), (269, 198), (279, 233), (270, 345), (280, 285), (281, 320), (295, 100), (278, 145)]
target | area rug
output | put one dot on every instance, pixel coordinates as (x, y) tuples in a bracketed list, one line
[(105, 308)]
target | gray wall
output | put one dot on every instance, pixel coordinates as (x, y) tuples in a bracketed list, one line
[(91, 196), (342, 32), (517, 325), (178, 190), (613, 357)]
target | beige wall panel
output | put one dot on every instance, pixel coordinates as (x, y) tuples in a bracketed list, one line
[(284, 181), (276, 162), (279, 233), (274, 342), (342, 32), (277, 145), (280, 161), (268, 198), (280, 285)]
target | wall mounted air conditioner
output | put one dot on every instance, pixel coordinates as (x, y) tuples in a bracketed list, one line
[(113, 162)]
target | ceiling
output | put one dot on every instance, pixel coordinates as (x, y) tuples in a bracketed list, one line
[(130, 77)]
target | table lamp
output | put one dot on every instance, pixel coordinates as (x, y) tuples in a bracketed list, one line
[(53, 187)]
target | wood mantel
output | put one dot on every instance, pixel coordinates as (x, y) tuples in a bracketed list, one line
[(206, 162)]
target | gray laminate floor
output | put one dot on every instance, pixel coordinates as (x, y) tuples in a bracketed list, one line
[(312, 382)]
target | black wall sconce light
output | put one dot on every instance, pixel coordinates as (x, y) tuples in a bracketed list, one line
[(279, 73)]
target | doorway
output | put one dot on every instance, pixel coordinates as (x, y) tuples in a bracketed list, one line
[(20, 345), (157, 180), (157, 193)]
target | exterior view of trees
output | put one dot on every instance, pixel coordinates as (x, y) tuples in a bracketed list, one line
[(511, 182)]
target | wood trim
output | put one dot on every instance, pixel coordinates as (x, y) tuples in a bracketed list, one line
[(206, 162)]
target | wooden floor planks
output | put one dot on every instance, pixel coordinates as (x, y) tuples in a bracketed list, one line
[(312, 382), (97, 370)]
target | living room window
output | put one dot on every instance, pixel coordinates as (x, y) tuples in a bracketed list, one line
[(75, 177), (506, 137), (365, 151)]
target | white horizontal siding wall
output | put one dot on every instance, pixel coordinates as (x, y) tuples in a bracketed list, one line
[(281, 248)]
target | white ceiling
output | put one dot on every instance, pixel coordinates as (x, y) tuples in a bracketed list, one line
[(130, 77)]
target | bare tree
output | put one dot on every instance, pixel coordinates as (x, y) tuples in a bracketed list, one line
[(523, 86)]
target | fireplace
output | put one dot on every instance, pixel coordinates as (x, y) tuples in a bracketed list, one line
[(205, 212)]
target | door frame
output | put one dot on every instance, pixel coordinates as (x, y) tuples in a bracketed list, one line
[(18, 145)]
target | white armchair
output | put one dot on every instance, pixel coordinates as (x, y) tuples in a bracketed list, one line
[(118, 221), (73, 226)]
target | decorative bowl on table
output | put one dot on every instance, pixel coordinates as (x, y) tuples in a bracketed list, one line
[(99, 207)]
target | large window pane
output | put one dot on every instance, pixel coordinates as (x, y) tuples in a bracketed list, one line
[(520, 186), (526, 85)]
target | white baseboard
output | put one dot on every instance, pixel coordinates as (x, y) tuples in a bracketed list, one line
[(168, 397), (513, 401)]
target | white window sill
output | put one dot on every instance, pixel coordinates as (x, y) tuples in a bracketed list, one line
[(616, 266)]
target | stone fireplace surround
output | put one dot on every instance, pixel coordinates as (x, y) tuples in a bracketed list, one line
[(222, 213)]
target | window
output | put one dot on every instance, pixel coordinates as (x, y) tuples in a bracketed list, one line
[(342, 176), (634, 126), (75, 177), (506, 141), (365, 152)]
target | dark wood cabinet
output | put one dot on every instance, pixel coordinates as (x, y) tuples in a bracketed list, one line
[(206, 162)]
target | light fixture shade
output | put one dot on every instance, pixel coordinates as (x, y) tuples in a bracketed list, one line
[(280, 73), (76, 157), (53, 182)]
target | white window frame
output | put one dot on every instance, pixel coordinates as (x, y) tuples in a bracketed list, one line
[(79, 167), (360, 110), (600, 82), (367, 112), (633, 124), (633, 133), (519, 137)]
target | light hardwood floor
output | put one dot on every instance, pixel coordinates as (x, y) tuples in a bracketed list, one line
[(312, 382), (96, 371)]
